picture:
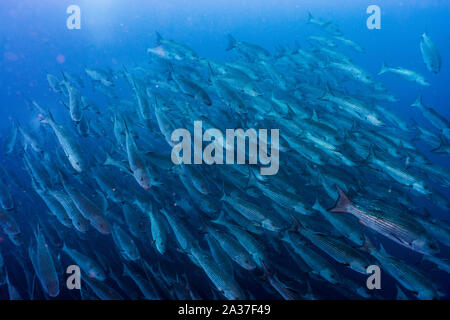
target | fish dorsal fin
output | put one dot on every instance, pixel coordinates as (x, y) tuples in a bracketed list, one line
[(443, 139), (314, 116), (383, 251), (159, 38), (317, 206), (418, 102)]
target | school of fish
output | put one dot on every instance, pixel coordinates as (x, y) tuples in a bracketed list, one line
[(92, 184)]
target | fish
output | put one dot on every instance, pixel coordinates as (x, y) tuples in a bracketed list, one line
[(430, 54), (136, 163), (78, 221), (11, 139), (102, 290), (75, 104), (224, 282), (144, 285), (339, 251), (437, 120), (390, 223), (280, 287), (99, 75), (184, 237), (191, 88), (88, 209), (245, 238), (409, 75), (349, 43), (125, 243), (68, 144), (54, 83), (442, 264), (410, 278), (341, 224), (89, 266), (10, 227), (45, 267), (316, 262), (233, 248), (172, 50), (29, 138), (158, 229), (444, 146), (6, 198), (251, 51)]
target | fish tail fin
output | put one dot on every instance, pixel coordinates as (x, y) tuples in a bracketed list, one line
[(418, 102), (50, 115), (65, 248), (368, 246), (297, 225), (317, 206), (370, 157), (310, 17), (159, 38), (220, 219), (64, 82), (444, 145), (48, 119), (231, 42), (252, 180), (384, 68), (355, 126), (327, 93), (224, 194), (342, 203), (108, 158)]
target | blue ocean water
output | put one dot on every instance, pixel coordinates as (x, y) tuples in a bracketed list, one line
[(35, 41)]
